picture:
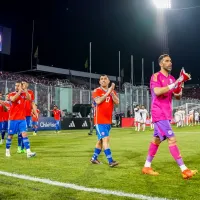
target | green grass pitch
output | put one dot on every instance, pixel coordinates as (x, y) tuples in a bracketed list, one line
[(65, 158)]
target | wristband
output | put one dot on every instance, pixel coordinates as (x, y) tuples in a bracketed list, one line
[(171, 86)]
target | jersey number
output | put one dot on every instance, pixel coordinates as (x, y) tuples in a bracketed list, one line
[(107, 99)]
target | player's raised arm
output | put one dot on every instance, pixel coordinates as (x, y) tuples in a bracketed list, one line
[(25, 89), (114, 95), (178, 96), (115, 98), (161, 90), (156, 85), (101, 99), (18, 89), (5, 109), (34, 109)]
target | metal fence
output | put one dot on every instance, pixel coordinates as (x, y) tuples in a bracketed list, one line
[(45, 96), (140, 95), (133, 95), (65, 97)]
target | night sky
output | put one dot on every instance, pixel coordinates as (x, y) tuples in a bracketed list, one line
[(64, 28)]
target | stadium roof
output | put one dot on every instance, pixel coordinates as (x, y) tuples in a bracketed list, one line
[(56, 70)]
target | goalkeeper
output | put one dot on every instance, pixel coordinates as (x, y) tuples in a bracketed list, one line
[(163, 87)]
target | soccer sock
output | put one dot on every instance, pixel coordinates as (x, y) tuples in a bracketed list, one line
[(26, 143), (144, 126), (108, 155), (3, 134), (96, 153), (153, 148), (177, 157), (19, 139), (33, 129), (138, 126), (36, 129), (8, 143), (57, 126), (22, 145)]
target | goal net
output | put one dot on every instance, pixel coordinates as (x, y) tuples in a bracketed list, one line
[(187, 108)]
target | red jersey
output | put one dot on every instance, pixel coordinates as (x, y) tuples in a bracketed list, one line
[(103, 111), (28, 103), (6, 114), (56, 114), (1, 113), (34, 118), (17, 108)]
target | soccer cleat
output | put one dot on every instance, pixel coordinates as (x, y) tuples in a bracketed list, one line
[(7, 153), (149, 171), (95, 162), (23, 151), (34, 133), (113, 163), (19, 150), (31, 154), (189, 173)]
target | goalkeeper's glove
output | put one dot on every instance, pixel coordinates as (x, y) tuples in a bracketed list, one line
[(180, 82)]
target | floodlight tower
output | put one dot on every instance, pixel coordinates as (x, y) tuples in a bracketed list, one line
[(162, 6)]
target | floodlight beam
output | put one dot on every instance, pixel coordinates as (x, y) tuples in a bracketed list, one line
[(162, 4)]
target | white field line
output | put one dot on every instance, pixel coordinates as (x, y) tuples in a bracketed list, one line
[(81, 188)]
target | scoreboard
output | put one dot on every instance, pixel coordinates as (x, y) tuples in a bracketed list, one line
[(5, 40), (1, 30)]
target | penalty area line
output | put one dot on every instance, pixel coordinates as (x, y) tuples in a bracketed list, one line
[(80, 188)]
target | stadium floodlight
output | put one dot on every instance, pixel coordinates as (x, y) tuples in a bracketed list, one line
[(162, 4)]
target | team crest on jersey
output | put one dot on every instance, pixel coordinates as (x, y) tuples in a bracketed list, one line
[(170, 132), (170, 80)]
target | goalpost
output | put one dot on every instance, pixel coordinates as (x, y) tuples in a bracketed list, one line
[(188, 107), (192, 106)]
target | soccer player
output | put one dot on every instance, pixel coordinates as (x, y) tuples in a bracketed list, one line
[(35, 121), (183, 117), (191, 117), (162, 87), (144, 115), (177, 118), (3, 109), (29, 105), (5, 118), (104, 99), (17, 120), (137, 118), (196, 117), (56, 114)]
